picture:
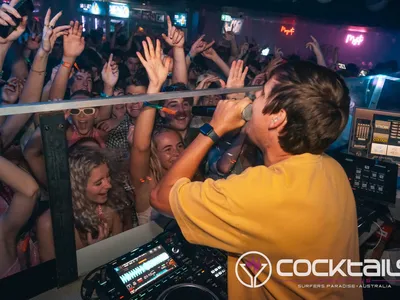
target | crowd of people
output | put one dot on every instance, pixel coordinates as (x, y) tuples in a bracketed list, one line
[(117, 154)]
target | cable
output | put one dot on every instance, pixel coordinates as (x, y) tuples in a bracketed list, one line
[(380, 236)]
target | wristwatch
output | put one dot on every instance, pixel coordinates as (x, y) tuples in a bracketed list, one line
[(208, 130)]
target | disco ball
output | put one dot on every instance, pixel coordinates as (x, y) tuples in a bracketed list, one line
[(376, 5)]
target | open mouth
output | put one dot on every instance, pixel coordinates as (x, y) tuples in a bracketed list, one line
[(103, 196), (180, 116), (82, 126)]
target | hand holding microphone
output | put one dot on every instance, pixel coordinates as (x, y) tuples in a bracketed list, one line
[(230, 115)]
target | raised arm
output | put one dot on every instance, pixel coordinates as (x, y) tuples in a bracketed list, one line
[(26, 191), (33, 86), (176, 39), (6, 20), (314, 46), (228, 159), (110, 76), (211, 54), (198, 47), (74, 44), (237, 76), (140, 151), (33, 154)]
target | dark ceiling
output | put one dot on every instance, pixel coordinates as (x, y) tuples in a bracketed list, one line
[(349, 12)]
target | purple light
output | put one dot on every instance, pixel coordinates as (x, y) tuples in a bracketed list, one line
[(354, 40)]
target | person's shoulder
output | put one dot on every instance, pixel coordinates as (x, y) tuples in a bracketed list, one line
[(253, 175), (331, 163)]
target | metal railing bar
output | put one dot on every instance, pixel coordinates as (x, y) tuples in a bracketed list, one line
[(41, 107)]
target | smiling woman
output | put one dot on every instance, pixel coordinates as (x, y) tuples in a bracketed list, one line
[(98, 202)]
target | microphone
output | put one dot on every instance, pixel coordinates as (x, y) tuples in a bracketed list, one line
[(208, 111)]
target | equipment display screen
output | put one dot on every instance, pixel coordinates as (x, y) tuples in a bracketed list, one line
[(144, 269), (386, 136)]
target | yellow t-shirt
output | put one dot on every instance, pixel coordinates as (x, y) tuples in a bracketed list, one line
[(300, 208)]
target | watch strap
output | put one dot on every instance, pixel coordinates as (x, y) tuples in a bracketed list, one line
[(208, 130), (213, 135)]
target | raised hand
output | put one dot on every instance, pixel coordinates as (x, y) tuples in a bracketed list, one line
[(237, 75), (110, 73), (206, 82), (51, 34), (260, 79), (210, 53), (6, 20), (229, 35), (74, 43), (314, 46), (278, 52), (104, 232), (228, 115), (33, 42), (176, 37), (12, 90), (157, 70), (200, 46), (109, 124)]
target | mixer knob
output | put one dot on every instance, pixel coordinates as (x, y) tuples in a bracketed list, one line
[(175, 250)]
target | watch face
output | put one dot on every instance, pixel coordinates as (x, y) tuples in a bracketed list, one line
[(206, 129)]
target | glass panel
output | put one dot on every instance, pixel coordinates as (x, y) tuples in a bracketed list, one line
[(25, 220), (118, 153)]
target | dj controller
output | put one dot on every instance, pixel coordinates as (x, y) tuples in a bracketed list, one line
[(166, 268)]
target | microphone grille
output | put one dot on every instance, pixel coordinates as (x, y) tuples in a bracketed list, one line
[(247, 112)]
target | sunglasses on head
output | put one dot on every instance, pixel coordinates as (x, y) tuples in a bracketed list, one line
[(86, 111)]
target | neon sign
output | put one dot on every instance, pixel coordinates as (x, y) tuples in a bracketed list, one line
[(354, 40), (287, 31)]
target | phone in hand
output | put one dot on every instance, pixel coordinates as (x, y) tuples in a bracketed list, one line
[(265, 52), (341, 66), (24, 8)]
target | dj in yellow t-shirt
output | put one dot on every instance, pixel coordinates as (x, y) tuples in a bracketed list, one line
[(298, 207), (301, 208)]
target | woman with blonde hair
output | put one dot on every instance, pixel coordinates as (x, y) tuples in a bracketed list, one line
[(102, 206), (98, 200), (153, 151)]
